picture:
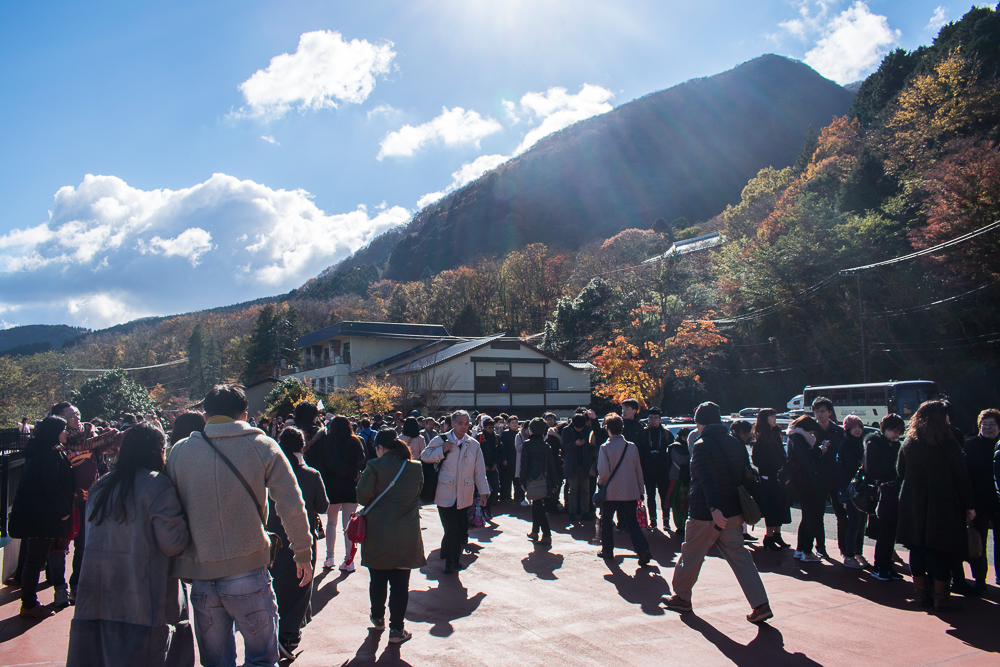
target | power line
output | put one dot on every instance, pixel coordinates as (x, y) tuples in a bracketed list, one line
[(927, 251), (933, 304), (781, 369), (137, 368)]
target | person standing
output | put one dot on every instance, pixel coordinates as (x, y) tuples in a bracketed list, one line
[(537, 463), (490, 444), (680, 481), (804, 452), (829, 435), (849, 459), (462, 470), (654, 443), (768, 455), (508, 457), (411, 437), (127, 615), (633, 429), (935, 503), (979, 456), (624, 490), (578, 457), (393, 545), (719, 464), (519, 439), (42, 507), (881, 453), (229, 551)]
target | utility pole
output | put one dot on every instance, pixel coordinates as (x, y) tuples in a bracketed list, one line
[(865, 370)]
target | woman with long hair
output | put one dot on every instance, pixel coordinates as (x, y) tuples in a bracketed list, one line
[(129, 610), (339, 456), (393, 545), (768, 455), (804, 453), (411, 437), (42, 507), (295, 601), (185, 424), (935, 503)]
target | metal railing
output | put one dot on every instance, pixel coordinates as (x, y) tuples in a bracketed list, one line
[(12, 444)]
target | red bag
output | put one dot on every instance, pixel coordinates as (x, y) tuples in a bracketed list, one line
[(641, 516), (357, 527)]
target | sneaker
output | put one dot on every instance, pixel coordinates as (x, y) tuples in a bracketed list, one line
[(895, 576), (861, 559), (676, 603), (347, 566), (330, 563), (601, 554), (797, 555), (853, 563), (881, 576), (822, 553), (38, 611), (809, 557), (284, 652), (398, 636), (377, 623), (760, 614), (524, 503)]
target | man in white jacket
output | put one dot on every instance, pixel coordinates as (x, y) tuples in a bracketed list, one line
[(462, 471)]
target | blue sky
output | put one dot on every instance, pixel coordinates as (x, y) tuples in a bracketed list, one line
[(159, 158)]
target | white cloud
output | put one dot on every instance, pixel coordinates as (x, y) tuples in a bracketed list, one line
[(453, 127), (853, 43), (324, 70), (467, 173), (270, 139), (111, 252), (937, 19), (558, 109), (510, 108), (430, 198), (383, 110)]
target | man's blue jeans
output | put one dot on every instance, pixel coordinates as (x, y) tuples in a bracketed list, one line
[(245, 600)]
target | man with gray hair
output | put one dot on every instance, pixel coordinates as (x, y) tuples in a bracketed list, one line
[(462, 466)]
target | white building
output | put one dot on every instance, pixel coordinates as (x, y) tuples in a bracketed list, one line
[(491, 374)]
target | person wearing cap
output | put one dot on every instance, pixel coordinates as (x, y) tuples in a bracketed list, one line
[(719, 463), (536, 462), (653, 443)]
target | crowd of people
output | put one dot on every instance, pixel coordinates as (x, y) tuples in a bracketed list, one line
[(225, 513)]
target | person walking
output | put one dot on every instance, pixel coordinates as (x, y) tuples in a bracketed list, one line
[(768, 455), (393, 545), (295, 601), (849, 459), (42, 507), (224, 475), (538, 474), (654, 453), (618, 467), (462, 470), (936, 502), (339, 457), (804, 455), (881, 453), (719, 464), (129, 610), (979, 456)]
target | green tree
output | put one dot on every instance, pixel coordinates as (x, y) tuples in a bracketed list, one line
[(285, 394), (273, 338), (808, 148), (204, 363), (467, 322), (110, 396)]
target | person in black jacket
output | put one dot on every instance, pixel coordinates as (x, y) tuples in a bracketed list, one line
[(769, 456), (849, 457), (979, 459), (831, 435), (653, 445), (804, 452), (42, 507), (881, 452), (719, 464), (537, 462), (490, 444), (508, 457)]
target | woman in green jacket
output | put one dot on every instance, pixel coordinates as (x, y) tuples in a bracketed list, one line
[(392, 545)]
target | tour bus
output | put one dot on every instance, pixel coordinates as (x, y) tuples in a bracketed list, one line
[(874, 400)]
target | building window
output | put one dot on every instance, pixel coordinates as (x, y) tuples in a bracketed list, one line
[(551, 384), (345, 354)]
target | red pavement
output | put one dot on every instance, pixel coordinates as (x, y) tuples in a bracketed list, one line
[(522, 605)]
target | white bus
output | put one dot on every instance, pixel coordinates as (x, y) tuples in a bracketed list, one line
[(874, 400)]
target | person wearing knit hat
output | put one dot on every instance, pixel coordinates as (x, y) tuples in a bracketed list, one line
[(537, 464), (707, 413), (849, 458)]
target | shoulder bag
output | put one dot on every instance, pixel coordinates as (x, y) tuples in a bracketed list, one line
[(748, 506), (863, 493), (431, 471), (273, 538), (602, 490), (357, 527)]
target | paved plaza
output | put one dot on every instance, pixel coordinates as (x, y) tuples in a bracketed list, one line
[(522, 605)]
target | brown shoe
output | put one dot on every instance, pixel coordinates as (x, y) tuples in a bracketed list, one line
[(760, 614), (942, 597), (38, 611)]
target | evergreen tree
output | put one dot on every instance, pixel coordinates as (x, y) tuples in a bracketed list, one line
[(110, 396), (467, 322), (260, 352), (808, 148)]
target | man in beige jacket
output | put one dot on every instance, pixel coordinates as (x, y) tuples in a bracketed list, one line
[(229, 551)]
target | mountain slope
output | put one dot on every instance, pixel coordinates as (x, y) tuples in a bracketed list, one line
[(686, 151)]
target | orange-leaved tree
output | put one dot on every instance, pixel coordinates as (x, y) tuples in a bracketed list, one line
[(377, 393), (691, 350), (623, 368)]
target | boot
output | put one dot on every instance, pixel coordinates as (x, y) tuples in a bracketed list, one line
[(942, 597), (921, 593), (546, 540), (60, 596)]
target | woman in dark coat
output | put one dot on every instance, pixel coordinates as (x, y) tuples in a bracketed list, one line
[(849, 456), (935, 502), (537, 462), (393, 545), (295, 601), (881, 454), (339, 456), (768, 456), (804, 455), (129, 610), (42, 507)]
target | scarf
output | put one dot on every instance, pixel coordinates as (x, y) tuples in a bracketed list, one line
[(810, 438)]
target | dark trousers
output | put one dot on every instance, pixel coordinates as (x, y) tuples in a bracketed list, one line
[(884, 545), (78, 544), (657, 482), (854, 539), (811, 526), (493, 477), (552, 502), (36, 555), (626, 515), (934, 563), (539, 520), (518, 491), (841, 511), (294, 601), (506, 481), (456, 532), (397, 584)]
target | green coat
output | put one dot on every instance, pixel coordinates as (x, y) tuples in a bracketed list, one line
[(393, 537)]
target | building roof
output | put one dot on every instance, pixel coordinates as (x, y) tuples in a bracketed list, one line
[(703, 242), (449, 353), (373, 329)]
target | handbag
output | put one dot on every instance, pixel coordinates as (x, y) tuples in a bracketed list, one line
[(641, 516), (748, 506), (273, 538), (975, 543), (477, 517), (537, 488), (357, 527), (602, 490), (863, 493)]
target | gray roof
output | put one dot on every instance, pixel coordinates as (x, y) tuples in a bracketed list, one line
[(703, 242), (450, 353), (375, 329)]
